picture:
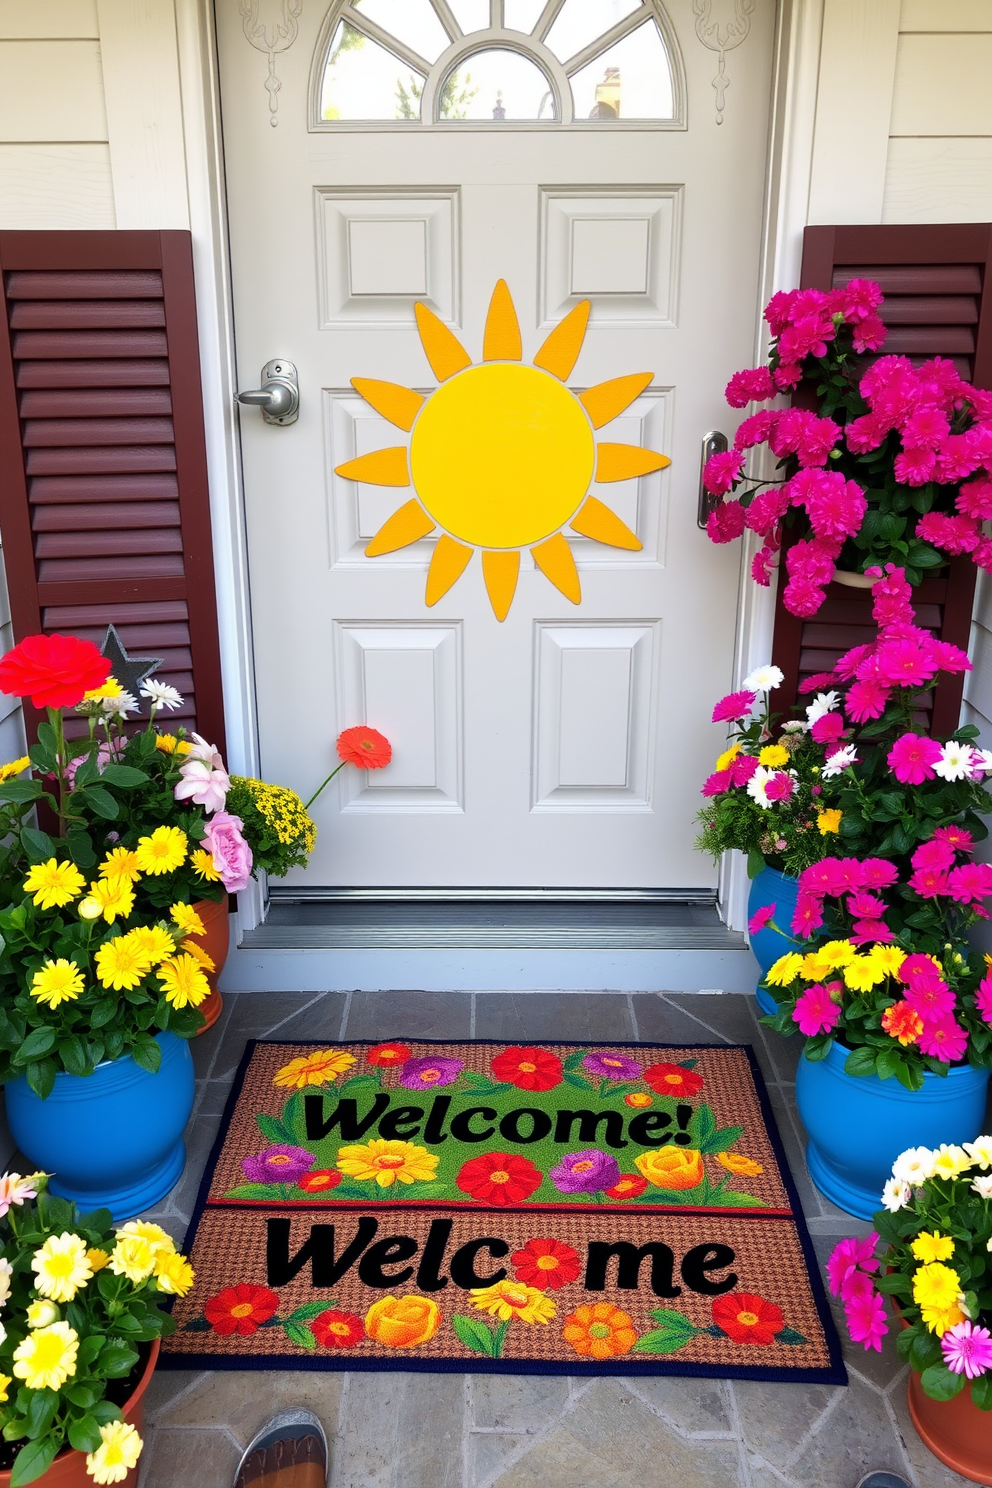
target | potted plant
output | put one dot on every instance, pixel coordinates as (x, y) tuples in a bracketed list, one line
[(82, 1317), (931, 1252), (890, 464)]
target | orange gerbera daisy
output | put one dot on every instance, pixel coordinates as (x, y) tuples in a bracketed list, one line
[(600, 1331), (319, 1068)]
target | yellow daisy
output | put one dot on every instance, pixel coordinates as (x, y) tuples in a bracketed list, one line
[(773, 755), (939, 1319), (120, 862), (387, 1162), (785, 970), (160, 1240), (862, 973), (815, 967), (187, 919), (155, 941), (199, 954), (933, 1247), (949, 1161), (98, 1258), (203, 865), (61, 1266), (54, 884), (134, 1257), (321, 1068), (162, 852), (727, 758), (936, 1285), (47, 1357), (184, 981), (889, 958), (108, 897), (14, 768), (511, 1299), (169, 744), (57, 982), (836, 953), (828, 821), (174, 1274), (118, 1452), (109, 689), (121, 963), (6, 1380)]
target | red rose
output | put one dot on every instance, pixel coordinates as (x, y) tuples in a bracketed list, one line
[(627, 1186), (499, 1178), (53, 670), (672, 1079), (545, 1263), (746, 1318), (319, 1179), (364, 747), (240, 1309), (333, 1329), (387, 1054), (528, 1069)]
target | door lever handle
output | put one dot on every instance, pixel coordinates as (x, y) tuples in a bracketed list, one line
[(279, 395), (714, 443)]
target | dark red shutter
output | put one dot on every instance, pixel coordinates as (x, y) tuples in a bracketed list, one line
[(938, 302), (104, 508)]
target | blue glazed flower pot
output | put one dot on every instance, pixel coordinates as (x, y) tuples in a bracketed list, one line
[(113, 1139), (772, 887), (858, 1125)]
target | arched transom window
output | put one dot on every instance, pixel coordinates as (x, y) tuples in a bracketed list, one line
[(493, 64)]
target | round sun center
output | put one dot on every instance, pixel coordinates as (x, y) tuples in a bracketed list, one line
[(341, 1329), (527, 1068), (278, 1160), (502, 455), (500, 1175), (430, 1075), (242, 1309), (599, 1330), (514, 1297), (547, 1263), (673, 1079), (582, 1167), (389, 1162), (748, 1319)]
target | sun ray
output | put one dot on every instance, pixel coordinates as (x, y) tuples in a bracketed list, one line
[(400, 405), (501, 338), (385, 467), (500, 569), (608, 399), (561, 348), (403, 528), (603, 525), (554, 559), (617, 462), (442, 347), (448, 563)]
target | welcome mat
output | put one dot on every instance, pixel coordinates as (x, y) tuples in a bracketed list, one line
[(467, 1205)]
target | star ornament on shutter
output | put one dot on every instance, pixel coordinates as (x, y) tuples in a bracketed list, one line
[(502, 455), (130, 671)]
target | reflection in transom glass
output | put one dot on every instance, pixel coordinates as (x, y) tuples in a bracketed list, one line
[(603, 61)]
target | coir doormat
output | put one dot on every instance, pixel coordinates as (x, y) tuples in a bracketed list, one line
[(576, 1209)]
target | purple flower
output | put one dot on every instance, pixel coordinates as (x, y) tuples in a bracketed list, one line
[(423, 1074), (967, 1349), (279, 1164), (612, 1066), (585, 1172)]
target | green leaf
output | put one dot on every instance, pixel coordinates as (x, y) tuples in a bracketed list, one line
[(41, 1077), (723, 1139), (860, 1061), (40, 1414), (755, 864), (72, 1052), (480, 1085), (360, 1082), (38, 846), (84, 1395), (89, 1347), (105, 1411), (196, 1325), (148, 1055), (21, 790), (789, 1335), (575, 1059), (309, 1310), (124, 775), (579, 1081), (730, 1198), (701, 1127), (102, 802), (981, 1391), (272, 1129), (941, 1383), (474, 1334), (117, 1358), (674, 1332), (34, 1460), (81, 850), (84, 1434), (37, 1043), (887, 1063), (298, 1334), (925, 1351), (254, 1191)]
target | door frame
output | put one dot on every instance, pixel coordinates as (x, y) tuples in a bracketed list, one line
[(797, 117)]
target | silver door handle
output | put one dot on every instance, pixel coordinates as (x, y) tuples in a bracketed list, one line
[(714, 443), (279, 395)]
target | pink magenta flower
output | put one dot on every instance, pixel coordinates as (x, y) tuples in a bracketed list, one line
[(865, 906), (752, 385), (956, 837), (892, 597), (944, 1039), (763, 562), (937, 853), (718, 782), (780, 787), (743, 768), (836, 506), (927, 428), (787, 376), (967, 1349), (983, 997), (819, 878), (865, 1313), (733, 707), (866, 433), (231, 853), (756, 429), (866, 699), (760, 918), (767, 509), (960, 455), (950, 658), (915, 966), (828, 729), (912, 758), (817, 438), (807, 915), (815, 1012), (860, 298), (975, 499), (878, 873), (721, 471), (930, 996), (929, 883), (847, 1256), (726, 523), (866, 931), (953, 534), (907, 662), (971, 881), (817, 682), (779, 310), (914, 467)]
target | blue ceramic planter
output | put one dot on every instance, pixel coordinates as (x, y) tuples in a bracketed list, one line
[(771, 887), (113, 1139), (858, 1125)]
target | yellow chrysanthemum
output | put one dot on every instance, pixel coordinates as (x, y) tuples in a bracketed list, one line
[(828, 821), (785, 970), (889, 958), (174, 1274), (134, 1257), (320, 1068), (932, 1247), (98, 1259), (184, 982), (939, 1319), (61, 1267), (160, 1240), (121, 963), (6, 1380), (187, 919), (203, 865), (861, 974), (54, 884), (118, 1452), (161, 852), (156, 943), (109, 689), (728, 756), (120, 862), (815, 967), (16, 767), (736, 1162), (57, 982), (774, 756), (108, 897), (936, 1285), (282, 809), (169, 744), (387, 1162), (199, 955), (836, 953), (511, 1299), (47, 1357), (949, 1161)]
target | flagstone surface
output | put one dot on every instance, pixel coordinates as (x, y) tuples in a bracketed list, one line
[(454, 1431)]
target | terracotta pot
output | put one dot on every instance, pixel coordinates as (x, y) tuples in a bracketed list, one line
[(955, 1431), (69, 1468), (215, 941)]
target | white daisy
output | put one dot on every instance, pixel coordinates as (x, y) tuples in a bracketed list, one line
[(117, 707), (161, 694), (983, 1186), (896, 1194), (824, 702), (956, 762), (980, 1152), (839, 761), (757, 785), (6, 1272), (795, 726), (914, 1166), (983, 757), (763, 679)]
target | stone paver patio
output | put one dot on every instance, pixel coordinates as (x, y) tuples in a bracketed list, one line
[(453, 1431)]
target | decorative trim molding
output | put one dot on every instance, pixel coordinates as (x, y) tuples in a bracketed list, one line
[(722, 39), (273, 39)]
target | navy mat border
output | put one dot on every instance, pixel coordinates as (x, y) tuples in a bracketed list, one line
[(833, 1374)]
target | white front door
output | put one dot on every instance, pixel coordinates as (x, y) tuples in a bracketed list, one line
[(394, 153)]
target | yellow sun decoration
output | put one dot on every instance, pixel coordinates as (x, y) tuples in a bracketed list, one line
[(502, 455)]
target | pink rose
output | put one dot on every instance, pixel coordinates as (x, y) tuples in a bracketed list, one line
[(231, 853)]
